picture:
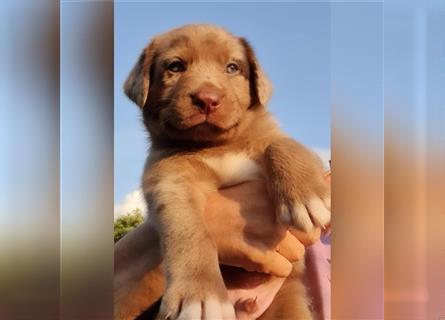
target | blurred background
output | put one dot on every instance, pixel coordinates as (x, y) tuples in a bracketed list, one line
[(363, 79)]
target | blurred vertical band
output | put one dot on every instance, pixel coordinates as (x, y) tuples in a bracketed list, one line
[(434, 110), (86, 160), (414, 160), (405, 258), (357, 160), (29, 160)]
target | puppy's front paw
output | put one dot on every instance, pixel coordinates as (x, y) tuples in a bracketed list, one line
[(194, 301), (304, 215), (297, 184)]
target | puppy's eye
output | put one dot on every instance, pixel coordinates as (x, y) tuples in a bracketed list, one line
[(176, 66), (232, 68)]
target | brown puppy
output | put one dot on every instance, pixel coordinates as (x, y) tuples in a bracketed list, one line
[(203, 97)]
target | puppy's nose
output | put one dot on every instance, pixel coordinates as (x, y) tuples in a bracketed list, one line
[(207, 100)]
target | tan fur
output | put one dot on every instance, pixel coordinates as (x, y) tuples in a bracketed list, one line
[(193, 154)]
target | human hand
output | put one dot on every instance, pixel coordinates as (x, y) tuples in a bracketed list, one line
[(241, 222)]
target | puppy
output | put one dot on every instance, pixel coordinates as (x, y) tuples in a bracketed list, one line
[(203, 96)]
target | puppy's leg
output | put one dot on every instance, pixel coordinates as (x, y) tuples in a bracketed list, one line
[(296, 184), (176, 194), (291, 302), (138, 277)]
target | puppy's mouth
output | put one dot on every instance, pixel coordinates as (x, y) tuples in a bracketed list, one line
[(200, 122)]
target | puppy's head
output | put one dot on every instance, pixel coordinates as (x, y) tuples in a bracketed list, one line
[(197, 83)]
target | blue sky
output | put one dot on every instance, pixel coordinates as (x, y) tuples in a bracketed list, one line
[(292, 42)]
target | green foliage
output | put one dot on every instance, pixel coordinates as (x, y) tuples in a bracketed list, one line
[(126, 223)]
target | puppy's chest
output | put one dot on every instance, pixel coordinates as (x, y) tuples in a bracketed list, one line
[(234, 167)]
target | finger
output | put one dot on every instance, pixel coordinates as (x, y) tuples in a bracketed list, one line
[(255, 257), (271, 262), (307, 238), (290, 248)]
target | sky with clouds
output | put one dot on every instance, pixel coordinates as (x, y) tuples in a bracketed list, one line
[(291, 40)]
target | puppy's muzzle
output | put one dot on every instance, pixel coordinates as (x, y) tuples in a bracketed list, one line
[(207, 99)]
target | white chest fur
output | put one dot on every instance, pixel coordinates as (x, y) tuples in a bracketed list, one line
[(234, 168)]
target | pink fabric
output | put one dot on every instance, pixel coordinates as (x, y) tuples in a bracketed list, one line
[(318, 271)]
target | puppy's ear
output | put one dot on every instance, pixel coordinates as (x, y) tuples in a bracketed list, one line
[(137, 85), (259, 83)]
